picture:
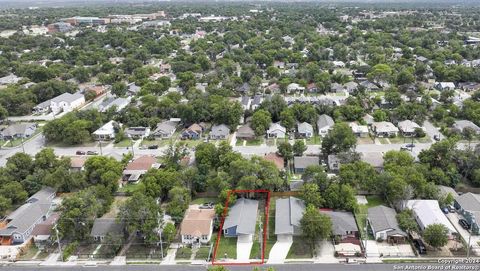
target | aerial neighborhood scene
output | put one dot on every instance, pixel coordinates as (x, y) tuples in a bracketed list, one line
[(239, 135)]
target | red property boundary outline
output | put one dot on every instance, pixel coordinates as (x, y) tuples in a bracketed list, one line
[(265, 227)]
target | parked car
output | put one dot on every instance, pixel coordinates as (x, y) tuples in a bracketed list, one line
[(436, 137), (420, 246), (92, 152), (451, 209), (445, 210), (153, 147), (80, 153), (410, 145), (206, 205), (465, 225), (404, 149)]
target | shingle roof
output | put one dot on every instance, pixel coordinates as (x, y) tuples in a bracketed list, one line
[(221, 129), (324, 121), (383, 218), (18, 129), (166, 127), (288, 213), (305, 127), (67, 97), (305, 161), (245, 131), (342, 222), (276, 159), (197, 222), (469, 201), (242, 214), (142, 163)]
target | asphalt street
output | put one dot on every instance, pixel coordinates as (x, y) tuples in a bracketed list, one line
[(283, 267)]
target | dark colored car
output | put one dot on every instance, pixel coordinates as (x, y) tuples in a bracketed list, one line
[(80, 153), (420, 246), (207, 205), (153, 147), (411, 145), (436, 137), (92, 152), (465, 225), (445, 210), (404, 149)]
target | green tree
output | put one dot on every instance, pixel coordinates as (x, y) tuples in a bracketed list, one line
[(5, 204), (436, 235), (406, 221), (380, 72), (360, 175), (285, 150), (315, 226), (287, 119), (119, 89), (311, 195), (380, 115), (299, 148), (168, 233), (339, 139), (261, 120)]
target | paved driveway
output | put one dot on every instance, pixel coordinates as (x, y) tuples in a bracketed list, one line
[(244, 246), (325, 252), (280, 249), (474, 239)]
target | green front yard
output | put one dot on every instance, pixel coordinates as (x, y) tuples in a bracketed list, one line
[(129, 188), (300, 249), (401, 139), (270, 142), (315, 140), (158, 142), (124, 143), (227, 247), (255, 142), (361, 213), (184, 253), (202, 253)]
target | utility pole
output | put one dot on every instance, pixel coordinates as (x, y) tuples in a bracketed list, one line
[(131, 144), (260, 238), (100, 142), (23, 146), (468, 247), (58, 241), (160, 224), (366, 234)]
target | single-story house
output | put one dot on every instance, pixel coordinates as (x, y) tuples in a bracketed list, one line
[(445, 190), (244, 88), (460, 125), (245, 132), (138, 167), (42, 232), (77, 163), (288, 213), (305, 130), (18, 130), (256, 101), (21, 222), (106, 132), (427, 212), (324, 124), (246, 102), (104, 226), (407, 128), (194, 131), (302, 162), (383, 223), (65, 102), (469, 206), (9, 79), (444, 86), (359, 130), (375, 159), (369, 120), (197, 225), (276, 159), (276, 131), (241, 219), (119, 104), (137, 132), (384, 129), (294, 87), (219, 132), (165, 129), (344, 227)]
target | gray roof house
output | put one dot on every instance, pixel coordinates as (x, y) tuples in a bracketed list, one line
[(407, 127), (276, 131), (165, 129), (219, 132), (103, 226), (459, 125), (137, 132), (245, 132), (242, 218), (384, 129), (469, 206), (302, 162), (245, 88), (344, 227), (384, 225), (288, 213), (23, 220), (119, 103), (18, 130), (305, 130), (324, 124)]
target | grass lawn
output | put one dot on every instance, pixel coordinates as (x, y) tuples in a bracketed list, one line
[(239, 142), (361, 213), (191, 143), (383, 140), (124, 143), (204, 200), (424, 139), (364, 140), (129, 188), (315, 140), (138, 251), (300, 249), (255, 142), (184, 253), (228, 246), (117, 202), (159, 142), (202, 253), (28, 255), (271, 237)]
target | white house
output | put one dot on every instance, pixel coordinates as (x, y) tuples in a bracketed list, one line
[(407, 127), (445, 86), (359, 130), (305, 130), (384, 129), (65, 102), (293, 87), (427, 212), (197, 225), (106, 132), (324, 124), (276, 131)]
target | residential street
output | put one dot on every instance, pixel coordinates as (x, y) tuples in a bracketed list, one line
[(284, 267)]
